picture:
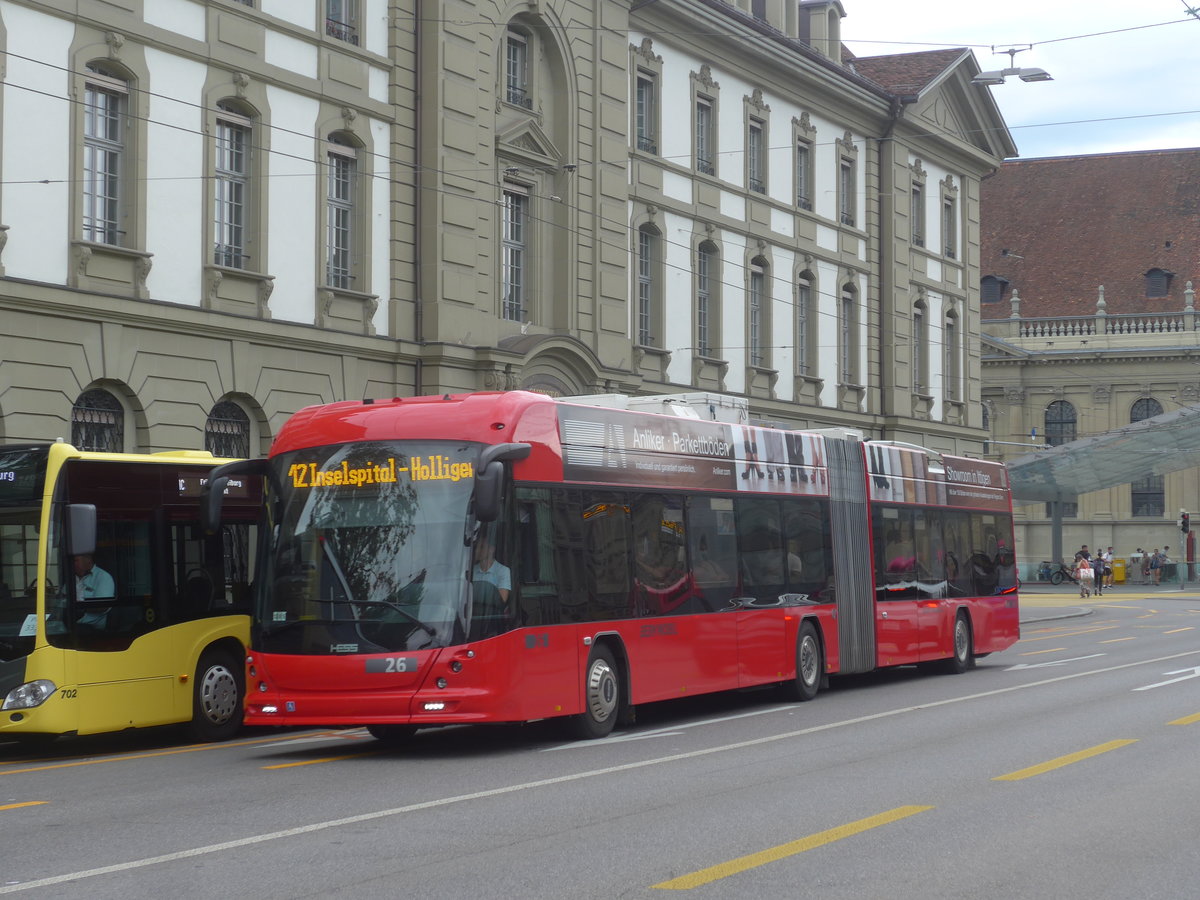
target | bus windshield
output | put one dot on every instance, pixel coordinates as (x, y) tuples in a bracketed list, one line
[(22, 481), (371, 548)]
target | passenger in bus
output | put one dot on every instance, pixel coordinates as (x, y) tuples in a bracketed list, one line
[(488, 570), (93, 583)]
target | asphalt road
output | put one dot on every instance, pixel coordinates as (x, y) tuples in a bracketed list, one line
[(1064, 767)]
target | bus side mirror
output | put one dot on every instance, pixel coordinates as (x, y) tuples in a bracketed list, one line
[(211, 497), (212, 491), (489, 478), (81, 529)]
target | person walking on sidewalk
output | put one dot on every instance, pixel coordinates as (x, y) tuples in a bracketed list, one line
[(1155, 566), (1084, 575)]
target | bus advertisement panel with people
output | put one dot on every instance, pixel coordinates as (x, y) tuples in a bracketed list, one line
[(504, 557), (116, 609)]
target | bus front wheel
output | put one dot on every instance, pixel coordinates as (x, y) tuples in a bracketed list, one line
[(217, 697), (602, 697)]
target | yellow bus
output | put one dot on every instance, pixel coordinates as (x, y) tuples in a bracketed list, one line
[(117, 610)]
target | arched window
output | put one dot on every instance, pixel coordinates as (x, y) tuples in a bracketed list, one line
[(952, 377), (649, 314), (806, 323), (920, 354), (227, 431), (848, 342), (98, 422), (1147, 495), (1060, 429), (1060, 423), (758, 313), (708, 294)]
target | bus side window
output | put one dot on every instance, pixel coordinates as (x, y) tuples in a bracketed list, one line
[(606, 554)]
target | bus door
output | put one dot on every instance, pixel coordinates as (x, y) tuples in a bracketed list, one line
[(124, 669), (763, 581), (898, 592)]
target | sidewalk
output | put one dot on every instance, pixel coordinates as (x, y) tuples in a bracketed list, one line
[(1042, 601)]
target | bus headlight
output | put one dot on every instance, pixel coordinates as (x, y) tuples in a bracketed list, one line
[(29, 695)]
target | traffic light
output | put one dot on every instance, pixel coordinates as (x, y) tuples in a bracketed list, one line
[(1185, 524)]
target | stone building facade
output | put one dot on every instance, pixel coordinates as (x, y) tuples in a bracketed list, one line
[(236, 208), (1089, 276)]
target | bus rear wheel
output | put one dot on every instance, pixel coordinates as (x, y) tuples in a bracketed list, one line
[(217, 696), (963, 657), (809, 665), (602, 697)]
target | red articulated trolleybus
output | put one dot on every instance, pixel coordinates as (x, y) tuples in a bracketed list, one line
[(506, 557)]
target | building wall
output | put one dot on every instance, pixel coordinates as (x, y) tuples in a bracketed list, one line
[(419, 92)]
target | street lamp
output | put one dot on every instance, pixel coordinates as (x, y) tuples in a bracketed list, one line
[(997, 76)]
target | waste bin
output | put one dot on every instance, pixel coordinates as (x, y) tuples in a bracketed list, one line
[(1118, 570)]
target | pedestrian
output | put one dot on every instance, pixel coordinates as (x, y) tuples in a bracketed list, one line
[(1146, 567), (1082, 572), (1108, 567), (1155, 566)]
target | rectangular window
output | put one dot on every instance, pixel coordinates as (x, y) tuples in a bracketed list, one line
[(645, 288), (803, 302), (646, 114), (231, 185), (847, 191), (756, 163), (804, 193), (103, 159), (513, 252), (757, 290), (918, 216), (703, 301), (949, 228), (340, 212), (516, 71), (341, 20), (704, 137)]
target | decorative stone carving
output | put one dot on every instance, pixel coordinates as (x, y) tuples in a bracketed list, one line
[(265, 287), (646, 51), (115, 41)]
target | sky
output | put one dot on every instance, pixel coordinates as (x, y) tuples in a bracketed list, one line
[(1126, 72)]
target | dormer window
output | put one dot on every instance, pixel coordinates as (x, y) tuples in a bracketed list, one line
[(992, 288), (1158, 283)]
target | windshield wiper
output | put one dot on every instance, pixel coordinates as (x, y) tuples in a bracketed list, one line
[(341, 576)]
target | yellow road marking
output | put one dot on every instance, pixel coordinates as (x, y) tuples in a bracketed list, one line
[(1186, 720), (753, 860), (1036, 652), (1058, 635), (1051, 765), (327, 759), (1177, 630), (1118, 640), (27, 803), (192, 748)]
